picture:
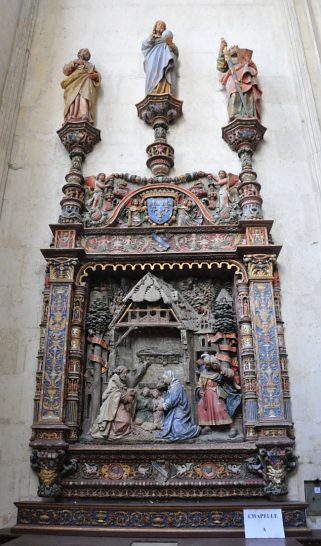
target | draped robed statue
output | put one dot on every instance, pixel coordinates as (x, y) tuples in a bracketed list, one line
[(178, 422), (239, 77), (160, 61), (80, 88)]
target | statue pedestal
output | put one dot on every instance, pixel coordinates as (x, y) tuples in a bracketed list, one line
[(78, 136), (243, 135), (160, 111), (79, 139)]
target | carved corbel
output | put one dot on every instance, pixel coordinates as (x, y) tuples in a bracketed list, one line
[(51, 466), (273, 466)]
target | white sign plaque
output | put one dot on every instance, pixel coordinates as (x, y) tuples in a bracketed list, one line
[(263, 523)]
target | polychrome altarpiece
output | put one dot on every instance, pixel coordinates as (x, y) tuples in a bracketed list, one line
[(148, 277)]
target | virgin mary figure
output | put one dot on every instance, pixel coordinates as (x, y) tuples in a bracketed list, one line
[(160, 62), (178, 422)]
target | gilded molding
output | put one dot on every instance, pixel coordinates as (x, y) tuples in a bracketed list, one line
[(85, 270)]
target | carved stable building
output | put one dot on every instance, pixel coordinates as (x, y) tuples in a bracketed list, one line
[(151, 273)]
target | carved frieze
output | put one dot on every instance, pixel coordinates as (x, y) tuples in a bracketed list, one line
[(190, 200), (169, 242), (156, 517)]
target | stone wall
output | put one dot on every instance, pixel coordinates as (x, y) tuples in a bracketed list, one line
[(9, 20), (287, 165)]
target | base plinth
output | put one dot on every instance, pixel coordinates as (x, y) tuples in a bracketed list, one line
[(216, 519)]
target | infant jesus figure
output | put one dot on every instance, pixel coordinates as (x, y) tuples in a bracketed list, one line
[(158, 413)]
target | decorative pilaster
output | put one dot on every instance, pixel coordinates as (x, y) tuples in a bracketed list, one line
[(40, 357), (160, 111), (247, 361), (75, 360), (282, 348), (272, 420), (78, 138), (50, 424), (243, 136)]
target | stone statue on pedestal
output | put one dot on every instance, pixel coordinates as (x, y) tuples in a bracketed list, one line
[(239, 77), (80, 88), (160, 64)]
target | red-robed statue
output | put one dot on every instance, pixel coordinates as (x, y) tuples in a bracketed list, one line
[(239, 77)]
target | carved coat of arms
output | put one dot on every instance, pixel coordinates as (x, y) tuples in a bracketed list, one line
[(160, 209)]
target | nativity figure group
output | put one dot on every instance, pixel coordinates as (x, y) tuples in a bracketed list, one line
[(166, 410)]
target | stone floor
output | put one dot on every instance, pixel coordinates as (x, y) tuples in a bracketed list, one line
[(64, 540)]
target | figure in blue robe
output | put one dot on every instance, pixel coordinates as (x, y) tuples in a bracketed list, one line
[(160, 62), (178, 421)]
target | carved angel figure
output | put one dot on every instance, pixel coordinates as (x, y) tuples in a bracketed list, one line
[(227, 188)]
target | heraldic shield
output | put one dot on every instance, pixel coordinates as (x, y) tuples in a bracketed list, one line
[(160, 209)]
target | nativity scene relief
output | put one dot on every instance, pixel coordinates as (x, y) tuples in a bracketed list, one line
[(148, 377)]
